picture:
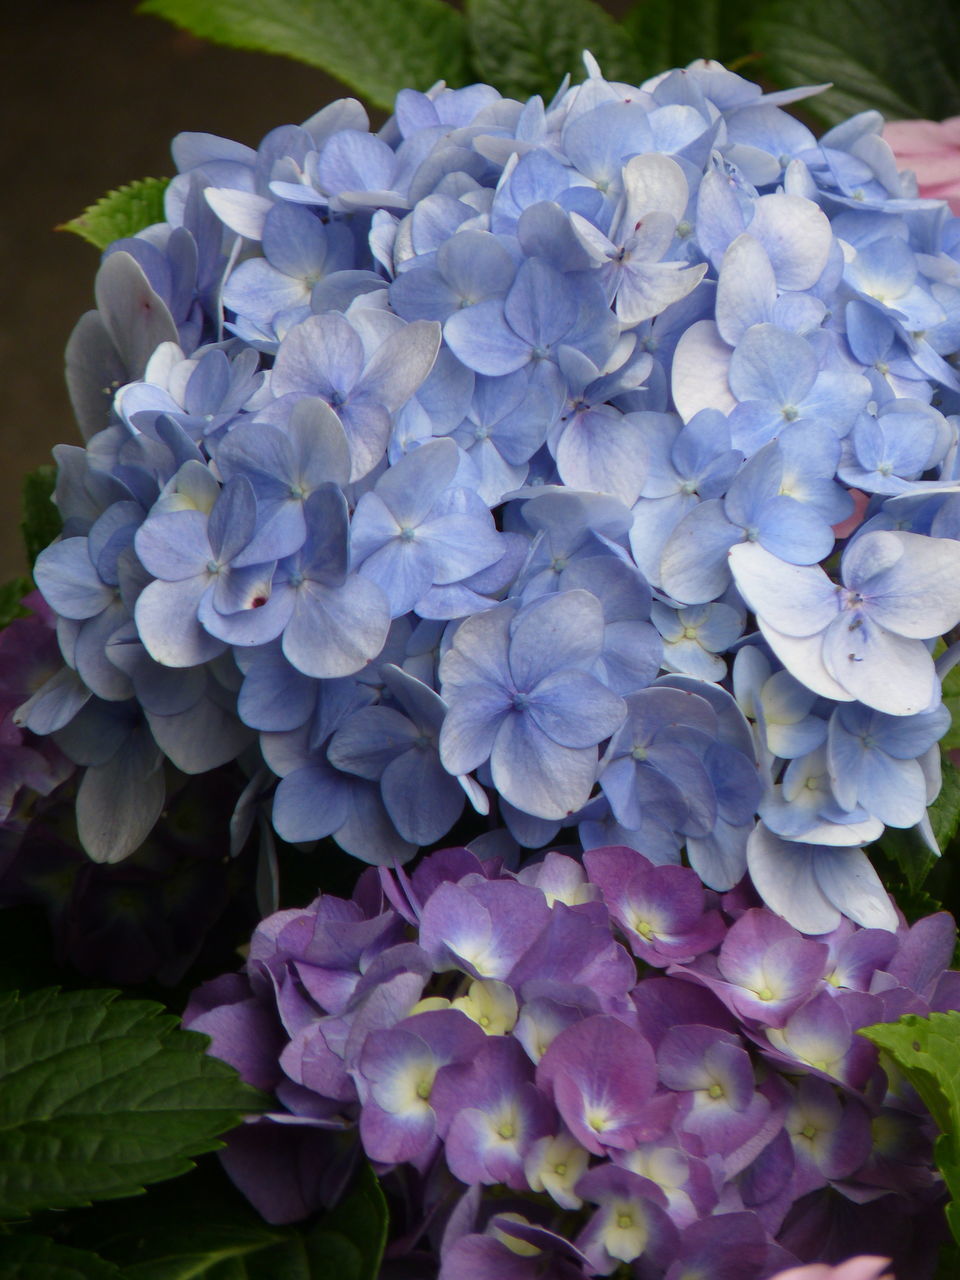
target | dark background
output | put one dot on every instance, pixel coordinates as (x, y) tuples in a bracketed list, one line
[(91, 95)]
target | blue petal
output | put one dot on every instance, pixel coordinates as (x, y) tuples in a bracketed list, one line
[(423, 801), (371, 738), (746, 289), (575, 709), (881, 669), (334, 631), (202, 737), (693, 568), (482, 339), (310, 803), (471, 725), (793, 599), (119, 801), (771, 364), (786, 877), (166, 616), (69, 582), (174, 545), (556, 632), (850, 883), (538, 776)]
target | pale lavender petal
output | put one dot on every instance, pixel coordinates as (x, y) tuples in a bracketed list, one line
[(538, 776)]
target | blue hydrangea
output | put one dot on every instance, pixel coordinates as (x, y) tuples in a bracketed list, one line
[(462, 458)]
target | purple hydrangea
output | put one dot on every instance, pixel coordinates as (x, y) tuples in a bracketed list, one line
[(595, 1064)]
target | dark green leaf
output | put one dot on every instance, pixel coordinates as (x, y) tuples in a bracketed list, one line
[(909, 854), (255, 1252), (945, 810), (948, 1264), (377, 47), (951, 700), (11, 593), (915, 902), (362, 1217), (666, 34), (41, 521), (121, 213), (39, 1258), (99, 1096), (927, 1051), (200, 1228), (891, 56), (525, 46)]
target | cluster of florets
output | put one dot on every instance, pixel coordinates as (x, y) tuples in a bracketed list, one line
[(454, 463), (587, 1065)]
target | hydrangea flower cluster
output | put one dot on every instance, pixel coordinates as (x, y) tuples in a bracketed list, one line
[(590, 462), (539, 1108)]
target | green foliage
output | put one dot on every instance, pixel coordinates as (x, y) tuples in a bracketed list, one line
[(256, 1251), (914, 900), (945, 810), (362, 1217), (882, 55), (120, 213), (948, 1263), (41, 521), (909, 859), (200, 1228), (377, 47), (951, 700), (877, 52), (526, 46), (39, 1258), (11, 593), (666, 34), (99, 1096), (927, 1051)]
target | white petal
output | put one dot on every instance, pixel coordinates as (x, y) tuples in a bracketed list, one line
[(700, 366), (784, 875), (852, 885)]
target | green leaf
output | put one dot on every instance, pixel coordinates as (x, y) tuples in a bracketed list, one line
[(120, 213), (41, 521), (11, 593), (910, 854), (99, 1096), (951, 699), (362, 1217), (200, 1228), (927, 1051), (948, 1263), (254, 1252), (525, 46), (945, 810), (886, 55), (377, 47), (39, 1258), (667, 34)]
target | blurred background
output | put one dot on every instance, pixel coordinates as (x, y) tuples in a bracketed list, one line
[(92, 94)]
